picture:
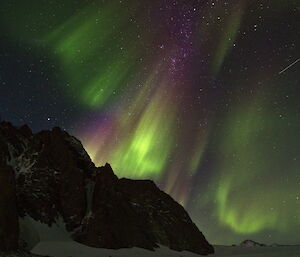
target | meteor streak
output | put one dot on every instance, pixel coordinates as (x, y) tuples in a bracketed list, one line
[(289, 66)]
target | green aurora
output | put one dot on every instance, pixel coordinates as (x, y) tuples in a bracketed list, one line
[(186, 94)]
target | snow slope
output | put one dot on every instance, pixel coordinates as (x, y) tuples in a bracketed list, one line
[(65, 249), (56, 242)]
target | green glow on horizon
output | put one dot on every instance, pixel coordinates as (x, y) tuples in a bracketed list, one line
[(249, 198), (252, 219)]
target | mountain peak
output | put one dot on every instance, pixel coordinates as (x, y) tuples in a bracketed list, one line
[(48, 176)]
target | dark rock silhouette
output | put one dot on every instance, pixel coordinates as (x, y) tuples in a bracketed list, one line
[(9, 229), (251, 243), (55, 177)]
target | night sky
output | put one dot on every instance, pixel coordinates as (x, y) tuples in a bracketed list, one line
[(192, 94)]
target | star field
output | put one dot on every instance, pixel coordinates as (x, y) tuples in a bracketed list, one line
[(192, 94)]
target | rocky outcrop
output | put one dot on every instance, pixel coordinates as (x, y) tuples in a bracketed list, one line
[(9, 230), (51, 168), (55, 179), (112, 221), (251, 243), (163, 217), (123, 207)]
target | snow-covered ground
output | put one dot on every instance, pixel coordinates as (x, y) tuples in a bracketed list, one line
[(66, 249), (55, 241)]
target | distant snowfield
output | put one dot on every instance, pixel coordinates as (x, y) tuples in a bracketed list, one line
[(68, 249), (280, 251)]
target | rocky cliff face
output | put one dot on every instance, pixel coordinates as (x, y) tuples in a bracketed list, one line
[(49, 175), (9, 229)]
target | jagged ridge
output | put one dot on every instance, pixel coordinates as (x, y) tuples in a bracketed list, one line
[(49, 175)]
